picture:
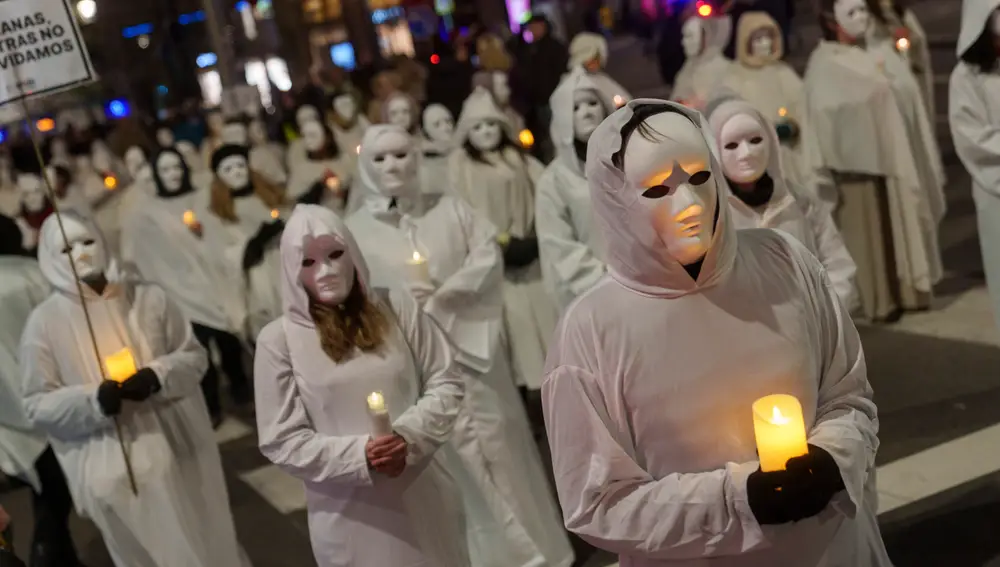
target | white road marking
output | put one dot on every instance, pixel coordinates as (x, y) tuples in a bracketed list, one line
[(231, 429), (281, 490)]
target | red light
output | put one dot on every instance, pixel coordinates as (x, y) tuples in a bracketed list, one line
[(435, 59), (704, 10)]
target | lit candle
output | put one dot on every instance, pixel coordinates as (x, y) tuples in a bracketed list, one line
[(526, 138), (782, 112), (619, 101), (357, 150), (120, 366), (381, 423), (780, 431), (189, 219), (418, 269), (275, 213), (332, 182), (903, 44), (110, 182)]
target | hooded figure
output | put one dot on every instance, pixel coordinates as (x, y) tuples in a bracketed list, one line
[(181, 515), (322, 175), (438, 128), (770, 85), (590, 51), (376, 496), (568, 244), (400, 109), (167, 247), (494, 175), (705, 66), (347, 123), (236, 131), (142, 188), (35, 207), (893, 21), (513, 519), (498, 85), (634, 477), (759, 195), (863, 173), (974, 112)]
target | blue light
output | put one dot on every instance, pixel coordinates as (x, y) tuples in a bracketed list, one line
[(162, 89), (118, 108), (242, 5), (342, 55), (206, 60), (3, 135), (191, 18), (137, 30), (383, 15)]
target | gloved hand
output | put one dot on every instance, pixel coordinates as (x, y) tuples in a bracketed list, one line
[(141, 385), (520, 252), (814, 479), (253, 255), (314, 195), (109, 397), (787, 131), (766, 496)]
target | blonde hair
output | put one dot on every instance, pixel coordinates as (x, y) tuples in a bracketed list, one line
[(492, 54), (221, 201), (355, 323)]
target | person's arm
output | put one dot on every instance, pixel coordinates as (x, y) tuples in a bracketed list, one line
[(428, 423), (610, 501), (285, 434), (977, 138), (572, 264), (482, 268), (832, 253), (184, 362)]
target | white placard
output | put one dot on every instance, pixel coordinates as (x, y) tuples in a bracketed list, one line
[(41, 50)]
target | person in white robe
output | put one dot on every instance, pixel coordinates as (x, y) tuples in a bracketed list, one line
[(759, 195), (896, 27), (180, 516), (864, 173), (108, 165), (236, 132), (102, 194), (35, 207), (142, 187), (655, 457), (438, 128), (498, 85), (377, 489), (512, 516), (347, 123), (322, 175), (215, 120), (24, 451), (497, 177), (974, 115), (590, 51), (260, 138), (772, 86), (705, 65), (167, 247), (242, 230), (568, 243)]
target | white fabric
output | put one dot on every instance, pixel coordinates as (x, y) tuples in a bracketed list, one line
[(304, 172), (313, 422), (974, 113), (181, 517), (792, 211), (22, 288), (587, 46), (569, 245), (855, 126), (651, 433), (503, 190), (265, 161), (701, 76)]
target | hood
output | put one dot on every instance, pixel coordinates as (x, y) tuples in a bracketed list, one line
[(313, 220), (749, 24), (723, 108), (478, 107), (717, 30), (975, 18), (561, 104), (585, 46), (636, 255), (366, 160), (55, 265)]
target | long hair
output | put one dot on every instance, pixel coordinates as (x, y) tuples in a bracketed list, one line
[(355, 323), (221, 201)]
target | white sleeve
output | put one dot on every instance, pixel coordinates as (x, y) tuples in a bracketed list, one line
[(482, 269), (976, 136), (610, 501), (428, 423), (833, 254), (182, 360), (285, 434)]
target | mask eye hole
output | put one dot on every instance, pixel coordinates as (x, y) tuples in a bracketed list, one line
[(308, 262), (88, 242), (756, 140), (657, 191), (379, 158), (731, 146), (700, 178), (67, 250), (336, 254), (401, 155)]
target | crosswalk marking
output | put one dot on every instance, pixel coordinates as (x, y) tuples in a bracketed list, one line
[(231, 429)]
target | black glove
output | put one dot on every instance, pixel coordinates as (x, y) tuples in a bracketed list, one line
[(140, 386), (109, 397), (766, 496), (314, 195), (787, 131), (520, 252), (253, 255), (814, 479)]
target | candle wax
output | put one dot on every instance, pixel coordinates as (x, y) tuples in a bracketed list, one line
[(381, 422), (780, 431), (120, 366), (418, 269)]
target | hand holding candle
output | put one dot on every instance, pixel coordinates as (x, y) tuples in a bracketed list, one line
[(417, 269), (120, 366), (780, 431)]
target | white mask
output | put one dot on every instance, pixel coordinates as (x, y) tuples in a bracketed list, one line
[(84, 248), (215, 122), (313, 136), (852, 16), (400, 113), (170, 170), (327, 269), (234, 171), (438, 123), (587, 113), (306, 114), (501, 88), (486, 135), (165, 137), (235, 133), (745, 149), (692, 37), (394, 164), (345, 107), (675, 186), (31, 188), (257, 133), (762, 45)]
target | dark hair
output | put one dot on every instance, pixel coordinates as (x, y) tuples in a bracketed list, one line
[(982, 54), (875, 8), (505, 142), (637, 123), (185, 187), (331, 150), (827, 23)]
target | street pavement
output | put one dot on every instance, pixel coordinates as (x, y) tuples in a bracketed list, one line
[(934, 374)]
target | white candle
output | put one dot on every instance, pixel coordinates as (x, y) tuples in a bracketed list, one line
[(619, 101), (417, 267), (381, 423), (780, 431)]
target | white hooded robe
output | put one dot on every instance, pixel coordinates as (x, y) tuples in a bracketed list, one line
[(701, 75)]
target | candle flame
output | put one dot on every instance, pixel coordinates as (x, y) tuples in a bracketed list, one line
[(782, 112), (189, 218), (357, 150), (619, 101), (526, 138), (110, 182), (902, 44), (777, 418), (332, 182), (376, 401), (275, 214), (417, 257)]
